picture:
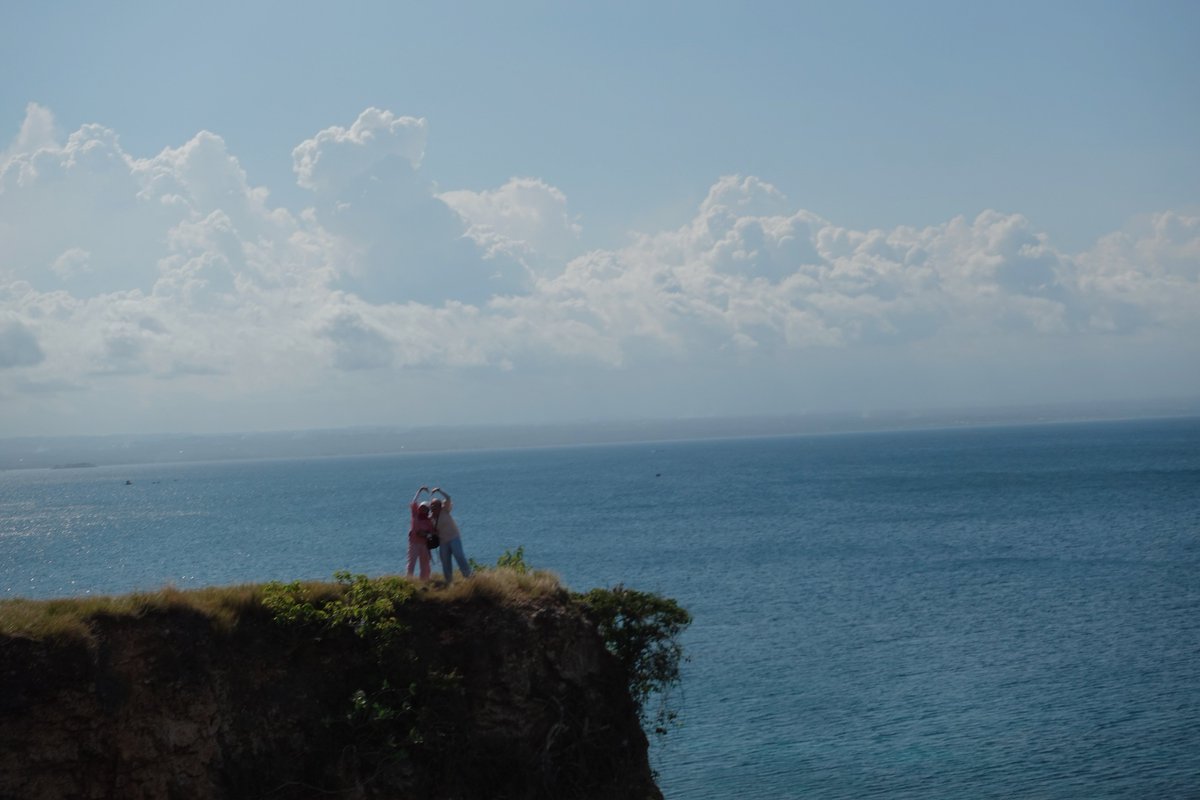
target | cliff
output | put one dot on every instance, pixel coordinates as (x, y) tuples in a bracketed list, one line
[(484, 692)]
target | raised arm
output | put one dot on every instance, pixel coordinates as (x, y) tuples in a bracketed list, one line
[(449, 504), (418, 494)]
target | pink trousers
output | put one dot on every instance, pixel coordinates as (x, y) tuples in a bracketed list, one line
[(418, 553)]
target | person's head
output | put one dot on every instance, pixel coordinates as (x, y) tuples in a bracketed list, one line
[(423, 510), (435, 505)]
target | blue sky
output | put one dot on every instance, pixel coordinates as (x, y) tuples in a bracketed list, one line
[(734, 208)]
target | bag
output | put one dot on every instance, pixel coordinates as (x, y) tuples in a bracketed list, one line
[(432, 540)]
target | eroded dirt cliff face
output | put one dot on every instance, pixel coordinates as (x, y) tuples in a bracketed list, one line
[(480, 699)]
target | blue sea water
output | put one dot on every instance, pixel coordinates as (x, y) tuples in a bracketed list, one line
[(994, 612)]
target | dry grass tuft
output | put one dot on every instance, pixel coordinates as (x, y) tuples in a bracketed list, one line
[(31, 619), (71, 619), (504, 585)]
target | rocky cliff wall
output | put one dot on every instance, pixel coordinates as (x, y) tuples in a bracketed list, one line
[(476, 698)]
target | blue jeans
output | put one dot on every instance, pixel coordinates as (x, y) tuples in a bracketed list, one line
[(454, 546)]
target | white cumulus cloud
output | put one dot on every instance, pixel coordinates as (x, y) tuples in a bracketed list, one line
[(397, 241), (526, 218), (172, 276), (338, 155)]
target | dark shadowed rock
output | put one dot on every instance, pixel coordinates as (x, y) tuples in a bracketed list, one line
[(483, 699)]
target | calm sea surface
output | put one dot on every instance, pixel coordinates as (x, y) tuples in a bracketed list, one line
[(1004, 612)]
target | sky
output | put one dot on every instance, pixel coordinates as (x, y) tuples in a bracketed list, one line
[(286, 215)]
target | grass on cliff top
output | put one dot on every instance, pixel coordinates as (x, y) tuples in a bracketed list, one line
[(68, 619)]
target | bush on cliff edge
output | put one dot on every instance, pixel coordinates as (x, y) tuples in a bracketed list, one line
[(642, 630)]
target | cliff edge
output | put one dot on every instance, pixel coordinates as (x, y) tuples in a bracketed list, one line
[(364, 689)]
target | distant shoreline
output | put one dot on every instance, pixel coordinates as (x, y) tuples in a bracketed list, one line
[(75, 452)]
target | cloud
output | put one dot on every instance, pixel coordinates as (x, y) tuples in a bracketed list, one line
[(397, 241), (732, 280), (38, 131), (74, 261), (525, 218), (18, 346), (127, 276), (1146, 275), (337, 156), (357, 343)]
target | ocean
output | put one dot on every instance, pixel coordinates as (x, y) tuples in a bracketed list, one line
[(959, 613)]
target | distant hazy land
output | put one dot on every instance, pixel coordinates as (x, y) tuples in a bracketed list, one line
[(38, 452)]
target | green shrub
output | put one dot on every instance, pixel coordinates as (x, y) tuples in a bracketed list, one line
[(366, 606), (509, 559), (642, 630), (384, 721)]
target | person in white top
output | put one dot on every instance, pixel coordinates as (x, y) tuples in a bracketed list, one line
[(447, 531)]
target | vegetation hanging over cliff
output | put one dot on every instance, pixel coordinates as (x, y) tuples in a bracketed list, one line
[(642, 630)]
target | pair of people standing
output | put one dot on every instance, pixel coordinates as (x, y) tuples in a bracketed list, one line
[(432, 516)]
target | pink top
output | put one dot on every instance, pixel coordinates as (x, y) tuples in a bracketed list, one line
[(419, 525)]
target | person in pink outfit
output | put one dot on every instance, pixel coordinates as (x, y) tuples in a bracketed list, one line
[(422, 524)]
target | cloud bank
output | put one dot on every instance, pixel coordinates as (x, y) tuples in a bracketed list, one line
[(169, 289)]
